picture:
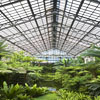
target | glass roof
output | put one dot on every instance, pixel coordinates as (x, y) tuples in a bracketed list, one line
[(36, 26)]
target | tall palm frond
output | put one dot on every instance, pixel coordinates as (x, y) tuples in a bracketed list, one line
[(94, 51), (3, 49)]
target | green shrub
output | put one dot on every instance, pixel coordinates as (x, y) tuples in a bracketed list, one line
[(48, 69), (35, 91), (35, 69), (75, 83), (23, 97), (18, 92), (72, 78), (3, 65), (94, 87), (97, 98), (65, 95), (10, 92), (34, 78)]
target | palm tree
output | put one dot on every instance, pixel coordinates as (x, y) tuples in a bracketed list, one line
[(94, 51), (93, 66), (64, 62), (3, 50)]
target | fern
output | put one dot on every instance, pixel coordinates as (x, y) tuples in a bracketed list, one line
[(35, 91), (10, 92), (65, 95)]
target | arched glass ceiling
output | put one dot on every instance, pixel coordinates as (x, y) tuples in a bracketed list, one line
[(41, 25)]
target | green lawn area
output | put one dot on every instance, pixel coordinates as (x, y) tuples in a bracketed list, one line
[(51, 96)]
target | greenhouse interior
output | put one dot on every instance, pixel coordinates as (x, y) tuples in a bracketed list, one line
[(49, 49)]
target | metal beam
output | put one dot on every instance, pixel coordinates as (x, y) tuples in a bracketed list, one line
[(47, 21), (95, 1), (29, 3), (10, 3), (62, 21), (18, 30), (54, 23), (51, 23), (15, 44), (85, 49), (84, 37), (72, 22)]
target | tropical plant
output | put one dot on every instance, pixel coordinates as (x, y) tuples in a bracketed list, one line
[(79, 61), (58, 77), (72, 78), (18, 92), (3, 65), (10, 92), (3, 49), (94, 51), (66, 95), (64, 62), (93, 66), (23, 97), (19, 59), (34, 78), (35, 91), (94, 87), (97, 98)]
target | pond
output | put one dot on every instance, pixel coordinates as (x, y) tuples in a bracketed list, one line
[(51, 89)]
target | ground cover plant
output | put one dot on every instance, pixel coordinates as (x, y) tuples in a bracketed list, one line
[(21, 92), (66, 95)]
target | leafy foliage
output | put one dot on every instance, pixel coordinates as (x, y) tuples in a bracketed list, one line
[(72, 78), (71, 62), (3, 65), (94, 87), (18, 59), (97, 98), (22, 97), (10, 92), (35, 91), (3, 49), (18, 92), (34, 78), (94, 51), (64, 62), (65, 95)]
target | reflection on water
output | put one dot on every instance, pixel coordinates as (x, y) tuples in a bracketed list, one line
[(51, 89)]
